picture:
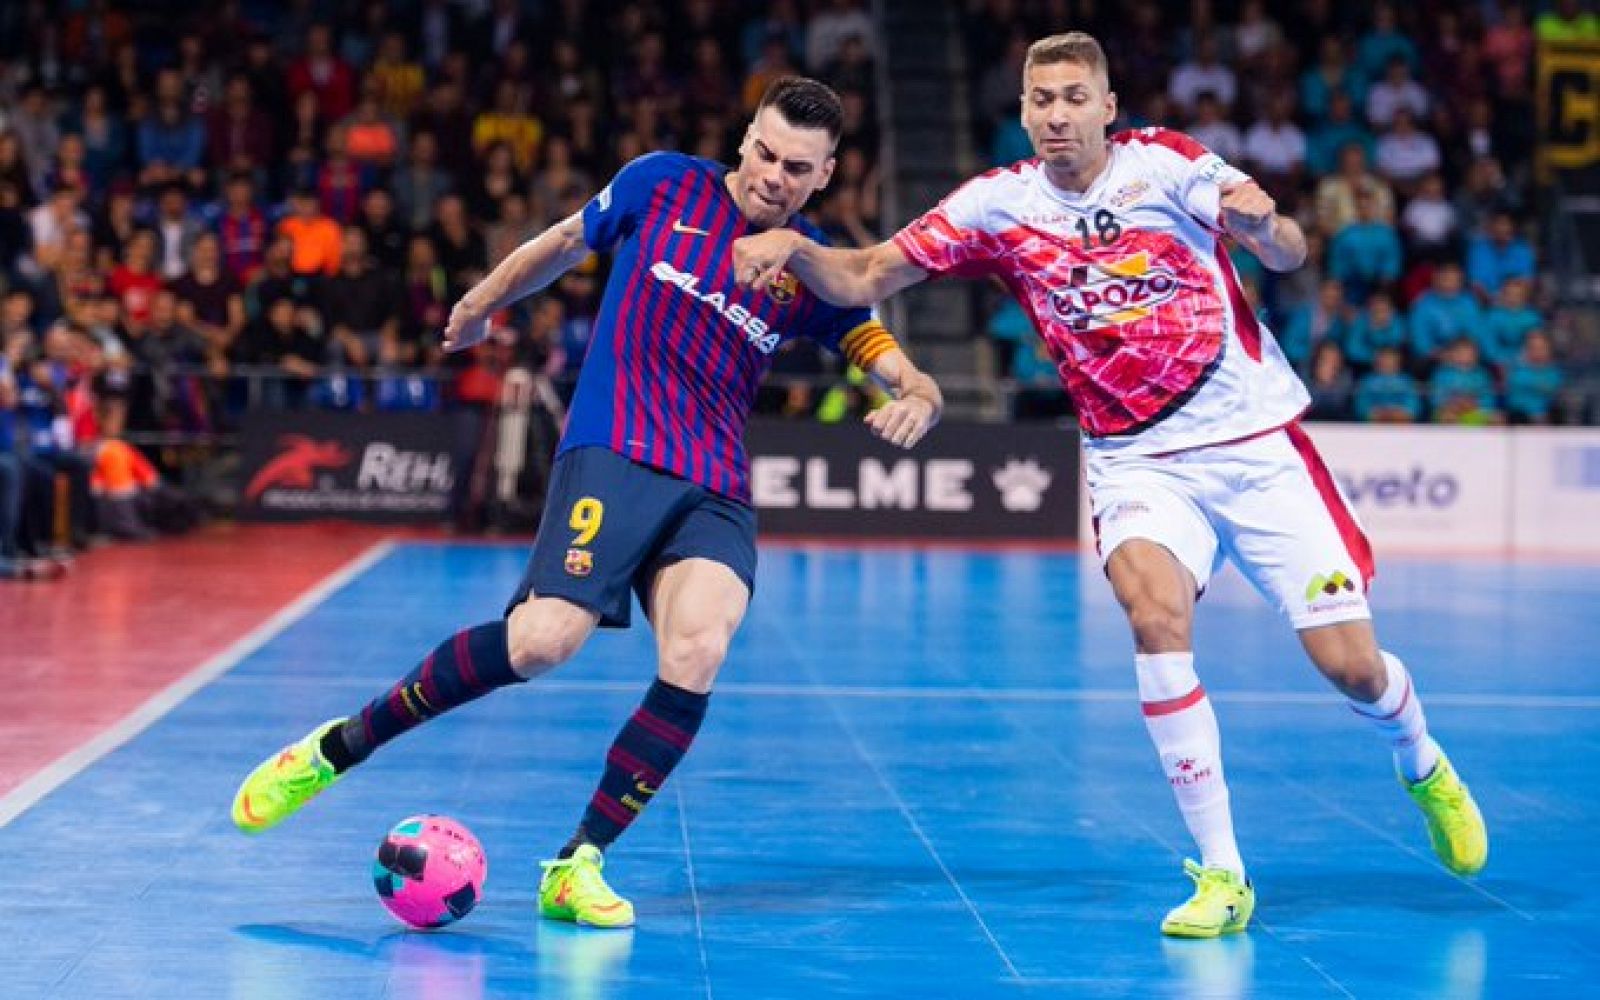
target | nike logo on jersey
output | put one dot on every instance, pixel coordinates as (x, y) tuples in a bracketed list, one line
[(683, 230), (755, 330)]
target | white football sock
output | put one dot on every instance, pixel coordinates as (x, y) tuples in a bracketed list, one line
[(1183, 727), (1398, 715)]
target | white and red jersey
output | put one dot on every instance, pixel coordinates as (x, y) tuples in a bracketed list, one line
[(1130, 286)]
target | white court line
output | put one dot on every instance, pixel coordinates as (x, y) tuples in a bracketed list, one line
[(1069, 695), (694, 890), (62, 770)]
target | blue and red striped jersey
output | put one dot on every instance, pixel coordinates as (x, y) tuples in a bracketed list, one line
[(679, 349)]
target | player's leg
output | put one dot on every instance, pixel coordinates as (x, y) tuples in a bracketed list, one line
[(554, 610), (1381, 691), (1299, 543), (539, 634), (696, 600), (1159, 554), (695, 605)]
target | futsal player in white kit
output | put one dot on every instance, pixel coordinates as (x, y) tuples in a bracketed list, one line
[(1190, 418)]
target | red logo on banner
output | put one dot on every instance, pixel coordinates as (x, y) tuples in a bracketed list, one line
[(299, 458)]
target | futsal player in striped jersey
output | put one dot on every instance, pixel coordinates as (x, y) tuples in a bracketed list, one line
[(650, 491)]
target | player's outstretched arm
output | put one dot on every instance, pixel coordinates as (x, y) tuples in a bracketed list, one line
[(842, 276), (917, 402), (526, 270), (1251, 216)]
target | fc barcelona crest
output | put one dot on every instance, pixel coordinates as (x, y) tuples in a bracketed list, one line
[(783, 288), (580, 562)]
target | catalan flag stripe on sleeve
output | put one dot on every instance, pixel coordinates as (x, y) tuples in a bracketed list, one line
[(867, 343)]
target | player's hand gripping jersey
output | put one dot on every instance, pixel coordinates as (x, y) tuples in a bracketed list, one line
[(679, 348), (1130, 286)]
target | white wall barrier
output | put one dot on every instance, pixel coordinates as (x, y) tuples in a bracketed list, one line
[(1555, 487), (1423, 489)]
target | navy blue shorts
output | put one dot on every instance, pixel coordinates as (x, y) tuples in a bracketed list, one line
[(610, 524)]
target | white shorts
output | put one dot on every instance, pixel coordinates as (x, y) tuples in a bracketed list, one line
[(1268, 503)]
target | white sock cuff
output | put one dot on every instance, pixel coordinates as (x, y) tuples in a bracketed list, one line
[(1395, 692), (1164, 676)]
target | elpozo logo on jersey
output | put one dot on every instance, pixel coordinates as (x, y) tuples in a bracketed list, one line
[(1111, 294), (755, 330)]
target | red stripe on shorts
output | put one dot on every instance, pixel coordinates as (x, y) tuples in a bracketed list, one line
[(1355, 540)]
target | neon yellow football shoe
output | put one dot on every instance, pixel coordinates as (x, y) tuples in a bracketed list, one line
[(1222, 904), (1455, 826), (284, 782), (572, 889)]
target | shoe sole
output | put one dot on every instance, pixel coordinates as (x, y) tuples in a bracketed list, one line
[(579, 922), (1189, 932)]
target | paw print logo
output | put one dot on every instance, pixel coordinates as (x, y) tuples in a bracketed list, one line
[(1022, 485)]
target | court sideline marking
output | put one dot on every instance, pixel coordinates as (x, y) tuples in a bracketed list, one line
[(750, 689), (69, 765)]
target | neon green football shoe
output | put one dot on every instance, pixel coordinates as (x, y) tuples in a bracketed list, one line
[(1222, 904), (572, 889), (1455, 826), (284, 782)]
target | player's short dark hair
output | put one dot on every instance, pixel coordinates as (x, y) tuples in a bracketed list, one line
[(805, 103)]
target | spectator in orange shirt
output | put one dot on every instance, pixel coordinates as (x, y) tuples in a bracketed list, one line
[(371, 137), (316, 238)]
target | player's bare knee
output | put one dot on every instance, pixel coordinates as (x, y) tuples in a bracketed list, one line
[(1358, 673), (540, 640), (691, 658), (1158, 627)]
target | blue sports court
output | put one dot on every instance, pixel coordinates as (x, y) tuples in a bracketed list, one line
[(924, 774)]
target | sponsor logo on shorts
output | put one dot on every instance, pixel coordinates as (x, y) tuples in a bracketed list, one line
[(1124, 509), (1329, 585), (580, 562), (1331, 592)]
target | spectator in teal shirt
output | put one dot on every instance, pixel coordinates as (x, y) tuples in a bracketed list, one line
[(1330, 385), (1461, 391), (1384, 42), (1365, 255), (1507, 325), (1010, 143), (1328, 318), (1533, 381), (1381, 326), (1387, 395), (1039, 395), (1341, 129), (1444, 313), (1332, 75), (1011, 331), (1497, 256)]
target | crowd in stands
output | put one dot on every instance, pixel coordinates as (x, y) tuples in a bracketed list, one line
[(196, 197), (1400, 135), (211, 208)]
